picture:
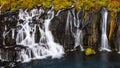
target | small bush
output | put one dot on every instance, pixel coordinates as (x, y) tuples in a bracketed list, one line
[(89, 51)]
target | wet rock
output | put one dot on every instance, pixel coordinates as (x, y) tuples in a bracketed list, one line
[(9, 41), (92, 31), (58, 26), (7, 54), (8, 19), (116, 36), (10, 53), (7, 64)]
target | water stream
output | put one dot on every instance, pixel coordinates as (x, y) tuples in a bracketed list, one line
[(26, 36), (104, 39), (74, 22)]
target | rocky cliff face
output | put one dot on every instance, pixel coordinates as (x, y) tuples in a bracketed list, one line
[(64, 27), (9, 20), (58, 26), (92, 31), (116, 34)]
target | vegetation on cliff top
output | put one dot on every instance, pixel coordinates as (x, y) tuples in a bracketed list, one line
[(95, 5)]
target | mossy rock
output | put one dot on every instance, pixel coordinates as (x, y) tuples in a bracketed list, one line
[(89, 51)]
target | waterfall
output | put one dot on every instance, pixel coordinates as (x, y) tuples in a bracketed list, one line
[(104, 39), (78, 39), (78, 35), (43, 49), (13, 33), (74, 22), (25, 36), (55, 48)]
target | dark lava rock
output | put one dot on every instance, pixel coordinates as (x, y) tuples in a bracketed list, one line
[(116, 36), (8, 19), (92, 31), (58, 26)]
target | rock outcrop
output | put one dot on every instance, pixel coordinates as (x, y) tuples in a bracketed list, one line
[(63, 26)]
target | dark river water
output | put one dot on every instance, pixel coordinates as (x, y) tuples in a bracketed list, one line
[(76, 60)]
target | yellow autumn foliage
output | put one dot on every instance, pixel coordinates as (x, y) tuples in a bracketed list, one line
[(94, 5), (114, 5), (89, 51)]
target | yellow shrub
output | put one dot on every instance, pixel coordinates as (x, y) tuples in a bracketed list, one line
[(89, 51), (113, 5)]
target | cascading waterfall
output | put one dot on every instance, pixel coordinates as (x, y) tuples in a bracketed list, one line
[(25, 36), (33, 37), (104, 39), (73, 21), (78, 35), (78, 39)]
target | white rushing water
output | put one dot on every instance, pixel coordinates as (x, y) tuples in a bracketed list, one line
[(0, 54), (73, 21), (26, 37), (13, 33), (78, 35), (104, 39), (119, 50), (4, 34), (78, 39)]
